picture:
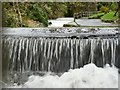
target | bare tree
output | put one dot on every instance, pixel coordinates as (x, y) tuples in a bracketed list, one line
[(19, 14)]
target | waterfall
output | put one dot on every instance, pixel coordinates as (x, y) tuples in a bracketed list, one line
[(58, 54)]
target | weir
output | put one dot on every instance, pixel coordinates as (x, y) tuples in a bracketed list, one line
[(58, 54)]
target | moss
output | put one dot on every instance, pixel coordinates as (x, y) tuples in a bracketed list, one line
[(69, 25), (109, 17), (96, 16)]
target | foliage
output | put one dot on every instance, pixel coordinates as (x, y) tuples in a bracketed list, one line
[(76, 7), (109, 17), (107, 10), (55, 9), (114, 6), (104, 9), (36, 13), (96, 16), (8, 17), (15, 13), (32, 14)]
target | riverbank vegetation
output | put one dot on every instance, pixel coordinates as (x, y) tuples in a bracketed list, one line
[(18, 14), (110, 17), (108, 12), (37, 14), (96, 16)]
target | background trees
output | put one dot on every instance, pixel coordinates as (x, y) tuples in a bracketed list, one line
[(36, 14), (24, 14)]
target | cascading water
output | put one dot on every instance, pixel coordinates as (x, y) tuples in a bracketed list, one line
[(58, 55)]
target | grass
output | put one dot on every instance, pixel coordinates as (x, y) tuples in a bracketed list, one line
[(96, 16), (109, 17)]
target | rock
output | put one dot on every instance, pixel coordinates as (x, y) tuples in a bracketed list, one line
[(69, 25), (72, 37), (50, 23)]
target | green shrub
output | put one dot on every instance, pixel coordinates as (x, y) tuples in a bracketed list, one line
[(37, 14), (96, 16), (104, 9), (114, 6), (109, 17)]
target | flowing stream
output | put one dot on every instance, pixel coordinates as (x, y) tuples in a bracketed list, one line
[(59, 55)]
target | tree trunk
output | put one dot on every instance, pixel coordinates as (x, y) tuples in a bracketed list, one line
[(19, 15), (14, 7)]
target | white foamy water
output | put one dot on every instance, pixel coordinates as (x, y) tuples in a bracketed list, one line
[(90, 76), (59, 22)]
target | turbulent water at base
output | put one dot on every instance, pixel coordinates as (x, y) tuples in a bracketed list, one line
[(88, 76), (58, 54)]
